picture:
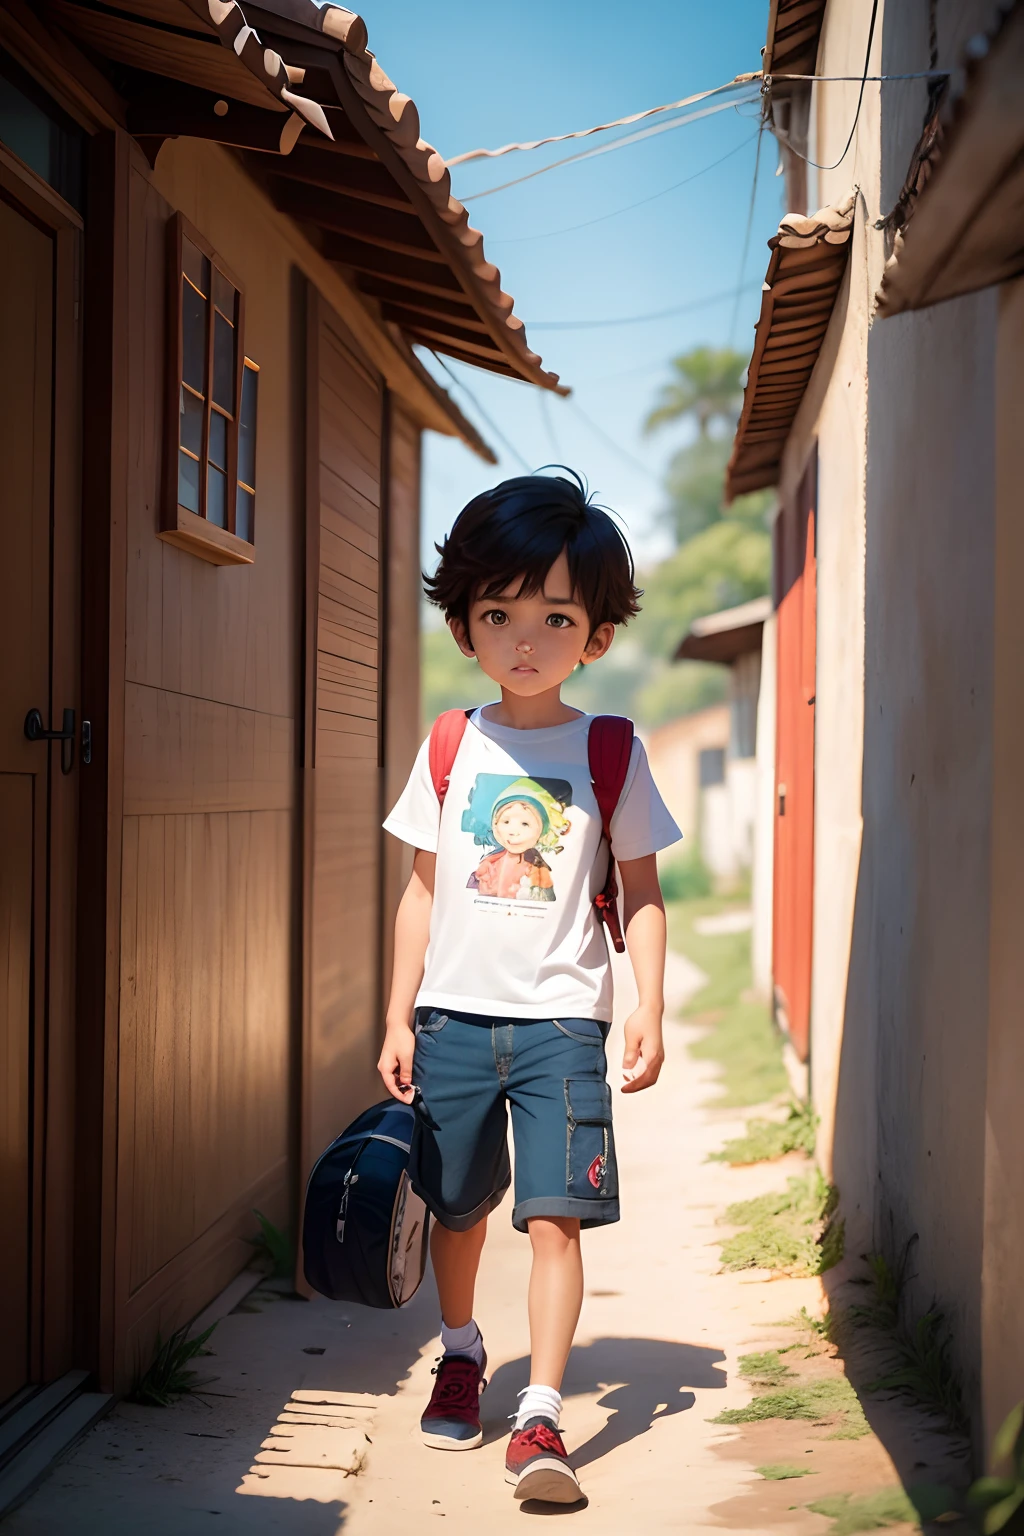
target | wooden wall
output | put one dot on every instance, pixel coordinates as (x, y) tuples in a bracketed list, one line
[(208, 874), (346, 407)]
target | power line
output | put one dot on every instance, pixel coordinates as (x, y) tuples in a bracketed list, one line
[(746, 237), (616, 448), (618, 122), (860, 96), (587, 223), (493, 425), (659, 314), (605, 149)]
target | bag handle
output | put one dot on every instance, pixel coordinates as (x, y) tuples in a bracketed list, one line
[(609, 747)]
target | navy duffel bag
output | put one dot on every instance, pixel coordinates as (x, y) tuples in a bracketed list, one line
[(364, 1231)]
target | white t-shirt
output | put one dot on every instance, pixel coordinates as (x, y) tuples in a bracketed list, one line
[(513, 929)]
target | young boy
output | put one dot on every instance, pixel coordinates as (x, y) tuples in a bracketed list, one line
[(501, 992)]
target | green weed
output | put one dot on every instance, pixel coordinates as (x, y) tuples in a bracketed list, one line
[(825, 1328), (685, 877), (765, 1370), (788, 1231), (921, 1350), (869, 1512), (831, 1401), (998, 1502), (170, 1376), (275, 1246), (741, 1038), (779, 1471), (766, 1140)]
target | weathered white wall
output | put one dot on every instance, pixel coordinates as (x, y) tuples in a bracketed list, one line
[(674, 753)]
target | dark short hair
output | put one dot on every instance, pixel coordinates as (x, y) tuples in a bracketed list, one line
[(519, 529)]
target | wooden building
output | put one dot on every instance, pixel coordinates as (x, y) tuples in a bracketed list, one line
[(219, 235)]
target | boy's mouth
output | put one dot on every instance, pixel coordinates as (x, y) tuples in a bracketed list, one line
[(524, 668)]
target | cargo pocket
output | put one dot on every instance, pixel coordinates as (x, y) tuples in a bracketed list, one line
[(590, 1171)]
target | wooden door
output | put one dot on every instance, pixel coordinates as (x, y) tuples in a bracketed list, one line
[(346, 489), (38, 624), (796, 593)]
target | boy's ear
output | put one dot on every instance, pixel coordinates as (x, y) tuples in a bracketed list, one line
[(598, 645), (461, 636)]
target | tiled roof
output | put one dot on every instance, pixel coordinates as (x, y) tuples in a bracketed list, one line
[(726, 635), (965, 230), (806, 267), (794, 28), (292, 85)]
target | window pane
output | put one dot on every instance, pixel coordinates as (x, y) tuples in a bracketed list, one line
[(191, 426), (218, 440), (217, 498), (195, 265), (224, 364), (247, 428), (193, 337), (224, 295), (39, 132), (188, 482), (245, 511)]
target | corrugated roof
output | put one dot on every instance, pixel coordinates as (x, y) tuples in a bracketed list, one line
[(806, 267), (293, 86), (794, 30), (968, 213), (726, 635)]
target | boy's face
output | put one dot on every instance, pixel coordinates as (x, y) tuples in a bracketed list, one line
[(530, 645)]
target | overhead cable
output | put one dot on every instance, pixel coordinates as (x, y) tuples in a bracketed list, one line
[(492, 424), (601, 217), (619, 122), (658, 314), (606, 149), (860, 101), (746, 238)]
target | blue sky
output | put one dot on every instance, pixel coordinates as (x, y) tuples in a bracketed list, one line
[(485, 74)]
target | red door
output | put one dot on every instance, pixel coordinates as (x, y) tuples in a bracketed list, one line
[(795, 596)]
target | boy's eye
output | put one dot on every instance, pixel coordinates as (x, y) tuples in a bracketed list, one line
[(495, 616), (559, 620)]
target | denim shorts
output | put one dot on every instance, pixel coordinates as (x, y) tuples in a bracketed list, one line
[(468, 1069)]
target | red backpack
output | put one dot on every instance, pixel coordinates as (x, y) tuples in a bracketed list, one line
[(609, 744)]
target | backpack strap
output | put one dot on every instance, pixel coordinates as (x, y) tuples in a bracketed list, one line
[(446, 735), (609, 745)]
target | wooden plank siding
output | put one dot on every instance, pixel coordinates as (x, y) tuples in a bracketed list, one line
[(208, 973), (346, 407)]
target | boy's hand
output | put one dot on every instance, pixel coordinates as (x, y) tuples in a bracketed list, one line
[(644, 1047), (395, 1064)]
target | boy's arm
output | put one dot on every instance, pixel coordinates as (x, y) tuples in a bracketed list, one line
[(644, 915), (412, 930)]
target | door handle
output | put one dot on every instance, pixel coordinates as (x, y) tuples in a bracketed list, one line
[(782, 799), (35, 731)]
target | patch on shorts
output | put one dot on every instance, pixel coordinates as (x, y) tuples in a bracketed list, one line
[(596, 1171)]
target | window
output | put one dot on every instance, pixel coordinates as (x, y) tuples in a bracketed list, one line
[(40, 133), (210, 497)]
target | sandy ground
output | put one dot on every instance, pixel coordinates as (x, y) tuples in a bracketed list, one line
[(655, 1360)]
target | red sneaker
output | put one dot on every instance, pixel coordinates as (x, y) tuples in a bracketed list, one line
[(536, 1462), (451, 1421)]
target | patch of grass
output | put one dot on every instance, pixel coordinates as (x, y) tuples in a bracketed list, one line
[(765, 1370), (275, 1246), (766, 1140), (685, 877), (788, 1231), (920, 1348), (779, 1471), (825, 1328), (831, 1401), (170, 1376), (851, 1513), (742, 1039)]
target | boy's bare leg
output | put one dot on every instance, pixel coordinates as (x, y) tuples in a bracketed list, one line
[(456, 1259), (556, 1296)]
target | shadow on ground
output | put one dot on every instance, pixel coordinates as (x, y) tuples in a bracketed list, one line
[(642, 1380)]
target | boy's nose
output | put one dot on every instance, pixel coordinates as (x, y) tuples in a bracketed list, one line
[(526, 646)]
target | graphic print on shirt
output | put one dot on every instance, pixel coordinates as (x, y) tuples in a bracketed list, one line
[(519, 822)]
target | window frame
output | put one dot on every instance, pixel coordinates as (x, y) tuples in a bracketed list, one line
[(179, 525)]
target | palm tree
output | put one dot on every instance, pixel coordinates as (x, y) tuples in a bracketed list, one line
[(708, 386)]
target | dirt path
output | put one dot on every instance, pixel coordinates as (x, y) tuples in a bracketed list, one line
[(656, 1359)]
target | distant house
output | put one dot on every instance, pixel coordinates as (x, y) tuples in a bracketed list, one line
[(221, 233), (885, 402), (737, 816)]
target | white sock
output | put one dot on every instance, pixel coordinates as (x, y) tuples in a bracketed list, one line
[(538, 1403), (467, 1340)]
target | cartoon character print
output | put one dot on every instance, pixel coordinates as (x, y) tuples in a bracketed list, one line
[(518, 821)]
